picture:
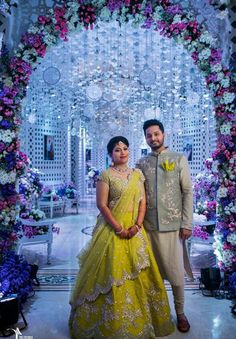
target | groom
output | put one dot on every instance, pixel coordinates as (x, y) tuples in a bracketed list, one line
[(168, 218)]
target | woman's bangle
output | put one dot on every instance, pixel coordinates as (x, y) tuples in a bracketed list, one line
[(139, 226), (119, 232)]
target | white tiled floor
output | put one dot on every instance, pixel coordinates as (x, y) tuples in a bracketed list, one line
[(47, 312)]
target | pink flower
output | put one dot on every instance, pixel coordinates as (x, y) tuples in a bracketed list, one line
[(44, 20)]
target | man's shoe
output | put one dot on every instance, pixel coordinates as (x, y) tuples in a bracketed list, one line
[(182, 323)]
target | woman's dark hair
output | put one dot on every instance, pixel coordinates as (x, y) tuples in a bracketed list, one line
[(114, 141), (152, 122)]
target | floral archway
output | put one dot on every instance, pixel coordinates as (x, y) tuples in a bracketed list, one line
[(171, 20)]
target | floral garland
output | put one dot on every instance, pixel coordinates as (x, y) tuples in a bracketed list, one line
[(171, 20), (204, 191)]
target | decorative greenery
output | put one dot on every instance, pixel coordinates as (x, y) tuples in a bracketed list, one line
[(171, 20)]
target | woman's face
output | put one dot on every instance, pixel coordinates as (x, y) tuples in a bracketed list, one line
[(120, 154)]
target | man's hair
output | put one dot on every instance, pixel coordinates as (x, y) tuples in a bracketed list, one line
[(152, 122), (114, 141)]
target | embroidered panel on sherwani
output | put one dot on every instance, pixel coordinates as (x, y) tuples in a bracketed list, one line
[(168, 191)]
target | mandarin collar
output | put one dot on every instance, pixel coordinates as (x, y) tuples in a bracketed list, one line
[(155, 154)]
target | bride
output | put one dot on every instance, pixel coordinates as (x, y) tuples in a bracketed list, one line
[(119, 292)]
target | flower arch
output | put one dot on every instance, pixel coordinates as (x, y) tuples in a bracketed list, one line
[(171, 20)]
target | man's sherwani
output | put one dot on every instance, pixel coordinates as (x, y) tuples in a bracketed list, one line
[(169, 191)]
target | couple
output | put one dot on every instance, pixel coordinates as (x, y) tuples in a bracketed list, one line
[(138, 241)]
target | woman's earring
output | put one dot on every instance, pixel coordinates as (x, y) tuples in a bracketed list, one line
[(112, 164)]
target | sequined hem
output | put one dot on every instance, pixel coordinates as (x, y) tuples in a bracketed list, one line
[(98, 289), (147, 333)]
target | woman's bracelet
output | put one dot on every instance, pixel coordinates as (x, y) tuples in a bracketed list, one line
[(139, 226), (119, 232)]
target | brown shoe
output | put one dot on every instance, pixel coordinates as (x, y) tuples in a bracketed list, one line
[(182, 323)]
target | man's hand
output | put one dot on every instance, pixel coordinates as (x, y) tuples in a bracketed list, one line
[(184, 233)]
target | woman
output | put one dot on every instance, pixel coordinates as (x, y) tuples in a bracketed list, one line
[(119, 292)]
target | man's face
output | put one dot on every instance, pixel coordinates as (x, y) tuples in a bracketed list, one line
[(154, 137)]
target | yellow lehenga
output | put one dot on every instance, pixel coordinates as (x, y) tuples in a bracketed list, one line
[(119, 292)]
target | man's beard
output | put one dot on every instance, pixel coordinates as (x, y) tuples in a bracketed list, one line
[(157, 147)]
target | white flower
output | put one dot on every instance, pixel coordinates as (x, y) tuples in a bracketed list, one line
[(207, 38), (222, 192), (158, 13), (232, 207), (220, 76), (33, 29), (222, 14), (204, 54), (227, 98), (225, 129), (7, 136), (177, 18), (73, 7), (231, 238), (199, 217), (216, 68), (225, 82), (227, 257), (99, 3), (105, 14), (7, 177), (214, 167)]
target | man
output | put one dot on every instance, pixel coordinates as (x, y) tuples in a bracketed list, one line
[(168, 218)]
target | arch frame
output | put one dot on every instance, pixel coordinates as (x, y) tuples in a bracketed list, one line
[(171, 21)]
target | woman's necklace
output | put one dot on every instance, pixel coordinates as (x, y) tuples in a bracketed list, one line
[(120, 170)]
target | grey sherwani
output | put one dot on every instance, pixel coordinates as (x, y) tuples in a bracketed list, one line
[(169, 191), (169, 208)]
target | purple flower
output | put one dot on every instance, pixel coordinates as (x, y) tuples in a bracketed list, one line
[(174, 9), (211, 78), (114, 5), (5, 124), (2, 147), (148, 23), (148, 9), (32, 40), (8, 190), (194, 56), (15, 276), (199, 232), (216, 56)]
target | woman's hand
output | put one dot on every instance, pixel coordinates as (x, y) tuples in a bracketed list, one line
[(123, 233), (133, 230)]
